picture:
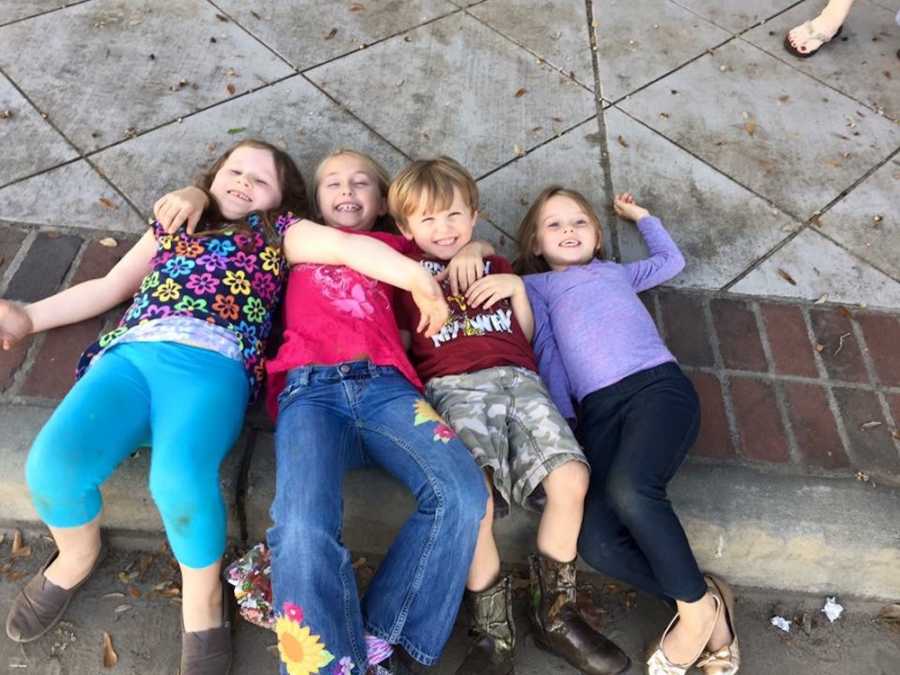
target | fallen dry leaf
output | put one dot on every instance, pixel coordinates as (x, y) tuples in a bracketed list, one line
[(871, 424), (108, 242), (877, 219), (521, 92), (134, 592), (820, 347), (107, 203), (896, 434), (110, 658), (784, 99), (622, 142), (664, 115), (255, 15), (357, 7), (787, 277), (822, 298), (230, 88), (19, 549), (750, 127), (331, 34), (222, 18), (890, 613), (517, 149), (5, 114), (122, 608)]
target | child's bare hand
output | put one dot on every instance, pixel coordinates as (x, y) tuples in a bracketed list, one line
[(626, 207), (15, 324), (429, 298), (493, 288), (182, 206), (464, 269)]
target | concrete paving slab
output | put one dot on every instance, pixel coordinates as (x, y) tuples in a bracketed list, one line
[(867, 221), (14, 10), (127, 502), (310, 33), (456, 87), (292, 114), (736, 15), (785, 136), (721, 227), (819, 267), (639, 42), (146, 636), (556, 30), (45, 147), (117, 66), (80, 198), (572, 160), (862, 63)]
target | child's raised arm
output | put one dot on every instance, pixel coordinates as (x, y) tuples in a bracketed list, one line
[(82, 301), (308, 242), (665, 260)]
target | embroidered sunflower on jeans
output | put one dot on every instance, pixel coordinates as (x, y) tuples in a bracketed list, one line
[(425, 413), (300, 650)]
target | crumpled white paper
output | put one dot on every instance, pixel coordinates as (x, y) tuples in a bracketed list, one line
[(832, 609), (782, 623)]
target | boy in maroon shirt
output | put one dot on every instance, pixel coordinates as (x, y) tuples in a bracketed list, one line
[(481, 377)]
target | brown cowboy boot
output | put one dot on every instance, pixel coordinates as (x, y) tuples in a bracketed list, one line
[(493, 629), (559, 628)]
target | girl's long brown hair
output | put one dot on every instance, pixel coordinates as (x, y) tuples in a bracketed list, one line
[(529, 263), (293, 191)]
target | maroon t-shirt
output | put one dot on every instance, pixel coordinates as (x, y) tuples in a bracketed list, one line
[(473, 338)]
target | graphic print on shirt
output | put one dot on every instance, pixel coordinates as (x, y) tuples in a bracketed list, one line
[(466, 321), (349, 291)]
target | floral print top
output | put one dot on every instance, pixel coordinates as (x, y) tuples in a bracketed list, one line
[(228, 278)]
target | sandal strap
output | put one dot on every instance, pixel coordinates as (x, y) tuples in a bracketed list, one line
[(813, 35)]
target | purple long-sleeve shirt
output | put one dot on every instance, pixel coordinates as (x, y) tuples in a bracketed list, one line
[(591, 329)]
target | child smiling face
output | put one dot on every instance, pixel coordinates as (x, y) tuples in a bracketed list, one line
[(247, 182), (565, 235), (348, 194)]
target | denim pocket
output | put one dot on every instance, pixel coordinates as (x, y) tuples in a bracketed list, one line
[(289, 393)]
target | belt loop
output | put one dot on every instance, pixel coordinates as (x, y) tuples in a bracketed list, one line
[(304, 376), (373, 369)]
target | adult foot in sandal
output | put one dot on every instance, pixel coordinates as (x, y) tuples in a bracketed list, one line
[(807, 38)]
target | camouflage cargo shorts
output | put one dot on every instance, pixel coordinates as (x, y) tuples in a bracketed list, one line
[(506, 418)]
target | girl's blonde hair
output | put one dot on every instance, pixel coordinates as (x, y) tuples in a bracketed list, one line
[(290, 180), (529, 263), (384, 223)]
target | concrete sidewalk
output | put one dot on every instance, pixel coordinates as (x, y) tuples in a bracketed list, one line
[(131, 599), (777, 177)]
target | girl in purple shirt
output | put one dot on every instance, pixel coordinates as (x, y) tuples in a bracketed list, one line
[(637, 414)]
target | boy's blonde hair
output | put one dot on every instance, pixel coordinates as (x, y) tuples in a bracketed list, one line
[(429, 184), (529, 263), (379, 174)]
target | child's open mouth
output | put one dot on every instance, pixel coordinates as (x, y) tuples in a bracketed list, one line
[(237, 194), (347, 207)]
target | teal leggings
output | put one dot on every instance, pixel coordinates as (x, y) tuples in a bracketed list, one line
[(188, 402)]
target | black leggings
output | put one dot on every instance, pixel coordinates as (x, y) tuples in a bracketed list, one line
[(636, 433)]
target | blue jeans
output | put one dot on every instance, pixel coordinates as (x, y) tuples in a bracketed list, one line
[(336, 418), (636, 434), (189, 402)]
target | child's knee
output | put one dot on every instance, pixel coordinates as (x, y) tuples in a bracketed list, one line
[(568, 484)]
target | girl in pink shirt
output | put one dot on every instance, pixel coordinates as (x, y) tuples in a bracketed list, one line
[(345, 397)]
